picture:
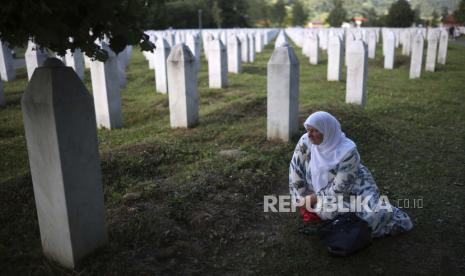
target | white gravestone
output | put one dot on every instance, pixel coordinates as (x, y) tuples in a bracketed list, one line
[(182, 86), (314, 49), (416, 56), (390, 50), (335, 58), (349, 39), (372, 44), (121, 62), (283, 94), (244, 47), (443, 41), (7, 66), (251, 37), (407, 42), (34, 57), (234, 55), (162, 51), (357, 69), (106, 91), (431, 51), (217, 65), (192, 44), (258, 42), (280, 40), (306, 44), (76, 61), (207, 38), (59, 122)]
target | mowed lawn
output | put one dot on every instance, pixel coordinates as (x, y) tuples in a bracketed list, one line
[(197, 211)]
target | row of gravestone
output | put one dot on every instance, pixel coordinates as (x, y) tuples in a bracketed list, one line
[(60, 117), (283, 67), (107, 77), (411, 39), (229, 47)]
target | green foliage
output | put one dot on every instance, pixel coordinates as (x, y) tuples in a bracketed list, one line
[(400, 14), (260, 13), (279, 13), (417, 18), (217, 14), (372, 17), (182, 14), (51, 23), (299, 14), (434, 19), (338, 14), (444, 12), (459, 14)]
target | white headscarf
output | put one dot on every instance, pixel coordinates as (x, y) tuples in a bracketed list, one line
[(330, 152)]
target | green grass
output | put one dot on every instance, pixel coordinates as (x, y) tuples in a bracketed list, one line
[(201, 213)]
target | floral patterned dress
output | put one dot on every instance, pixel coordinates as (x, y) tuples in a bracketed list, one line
[(348, 179)]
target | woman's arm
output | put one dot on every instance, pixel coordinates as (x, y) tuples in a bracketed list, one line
[(345, 176), (298, 187)]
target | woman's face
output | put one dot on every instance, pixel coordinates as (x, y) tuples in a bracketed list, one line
[(315, 136)]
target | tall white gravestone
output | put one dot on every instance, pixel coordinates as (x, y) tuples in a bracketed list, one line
[(162, 51), (416, 56), (234, 55), (357, 69), (34, 57), (217, 65), (7, 66), (407, 42), (244, 47), (106, 91), (76, 61), (335, 58), (182, 84), (191, 42), (251, 47), (372, 44), (258, 41), (431, 51), (283, 94), (443, 41), (59, 122), (313, 49), (280, 40), (390, 50)]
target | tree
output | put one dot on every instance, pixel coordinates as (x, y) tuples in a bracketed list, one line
[(400, 14), (50, 23), (459, 14), (299, 14), (259, 12), (373, 19), (445, 12), (434, 19), (279, 12), (217, 14), (417, 16), (338, 14)]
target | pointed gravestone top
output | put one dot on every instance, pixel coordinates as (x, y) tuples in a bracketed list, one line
[(181, 52), (162, 43), (283, 55), (53, 62)]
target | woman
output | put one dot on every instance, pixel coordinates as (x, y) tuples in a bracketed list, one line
[(326, 164)]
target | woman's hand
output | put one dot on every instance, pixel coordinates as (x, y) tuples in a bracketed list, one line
[(311, 199)]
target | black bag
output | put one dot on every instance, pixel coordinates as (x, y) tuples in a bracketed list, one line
[(345, 234)]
